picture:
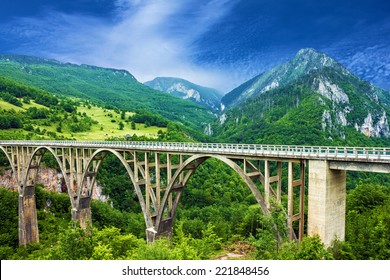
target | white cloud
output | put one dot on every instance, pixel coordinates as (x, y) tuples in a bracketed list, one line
[(149, 38)]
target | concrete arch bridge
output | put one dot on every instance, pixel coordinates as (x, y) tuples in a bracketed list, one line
[(159, 172)]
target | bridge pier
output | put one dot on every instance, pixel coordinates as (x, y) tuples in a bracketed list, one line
[(326, 201), (28, 221), (164, 230), (82, 214)]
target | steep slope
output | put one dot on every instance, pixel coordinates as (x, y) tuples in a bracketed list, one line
[(184, 89), (310, 99), (111, 87), (305, 61), (30, 113)]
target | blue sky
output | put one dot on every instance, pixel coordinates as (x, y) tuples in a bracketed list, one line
[(217, 43)]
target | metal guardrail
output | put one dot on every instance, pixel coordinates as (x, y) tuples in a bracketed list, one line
[(369, 154)]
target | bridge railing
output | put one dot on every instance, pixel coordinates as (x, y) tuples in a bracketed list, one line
[(317, 151), (321, 152)]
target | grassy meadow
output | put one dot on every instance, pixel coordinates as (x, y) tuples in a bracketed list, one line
[(106, 126)]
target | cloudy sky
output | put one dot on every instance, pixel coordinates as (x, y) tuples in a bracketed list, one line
[(217, 43)]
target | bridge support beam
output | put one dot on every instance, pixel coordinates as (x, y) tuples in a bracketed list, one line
[(294, 216), (28, 222), (326, 202)]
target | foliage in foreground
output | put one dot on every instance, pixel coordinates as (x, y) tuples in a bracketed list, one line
[(116, 234)]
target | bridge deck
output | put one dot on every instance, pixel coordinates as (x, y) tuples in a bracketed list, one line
[(349, 154)]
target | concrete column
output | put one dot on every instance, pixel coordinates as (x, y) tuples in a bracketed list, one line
[(28, 222), (158, 179), (326, 205), (279, 183), (266, 184), (82, 213), (290, 199)]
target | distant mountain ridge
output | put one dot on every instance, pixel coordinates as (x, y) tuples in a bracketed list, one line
[(308, 99), (305, 61), (184, 89), (112, 87)]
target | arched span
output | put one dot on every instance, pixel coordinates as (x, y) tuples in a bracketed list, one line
[(191, 165), (95, 157), (58, 160), (10, 161)]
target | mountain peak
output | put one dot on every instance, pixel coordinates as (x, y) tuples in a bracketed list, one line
[(308, 51), (184, 89), (305, 61), (310, 54), (314, 58)]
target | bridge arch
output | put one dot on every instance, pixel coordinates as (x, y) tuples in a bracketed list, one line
[(92, 167), (37, 156), (12, 165), (190, 165), (28, 220)]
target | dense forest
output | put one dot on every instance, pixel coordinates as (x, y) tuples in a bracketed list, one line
[(207, 227)]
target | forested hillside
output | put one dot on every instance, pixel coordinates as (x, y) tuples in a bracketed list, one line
[(309, 100), (30, 113), (110, 88)]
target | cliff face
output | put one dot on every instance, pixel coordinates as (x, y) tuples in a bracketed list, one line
[(51, 179)]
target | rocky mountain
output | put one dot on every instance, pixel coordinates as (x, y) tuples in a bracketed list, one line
[(184, 89), (311, 99), (109, 87), (304, 62)]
